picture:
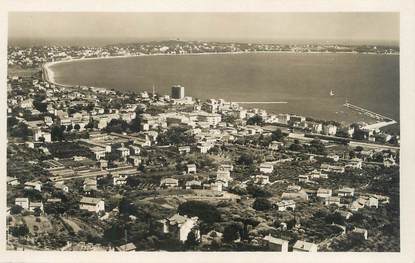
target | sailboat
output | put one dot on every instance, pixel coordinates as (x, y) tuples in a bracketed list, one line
[(331, 93)]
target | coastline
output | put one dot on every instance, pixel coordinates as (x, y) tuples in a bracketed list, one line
[(49, 75)]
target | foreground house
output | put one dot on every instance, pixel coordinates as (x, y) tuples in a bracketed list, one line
[(180, 226), (90, 204), (361, 232), (126, 248), (303, 246), (275, 244)]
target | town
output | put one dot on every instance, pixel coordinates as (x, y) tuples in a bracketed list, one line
[(30, 57), (93, 169)]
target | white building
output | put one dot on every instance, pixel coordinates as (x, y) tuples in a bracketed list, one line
[(22, 202), (180, 226), (324, 193), (266, 168), (303, 246), (96, 205), (191, 168), (285, 204)]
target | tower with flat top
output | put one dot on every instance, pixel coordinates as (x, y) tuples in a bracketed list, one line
[(177, 92)]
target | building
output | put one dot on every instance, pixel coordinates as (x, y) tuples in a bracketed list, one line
[(22, 202), (184, 149), (123, 152), (285, 204), (332, 168), (126, 248), (62, 186), (211, 237), (303, 246), (90, 204), (324, 193), (180, 226), (223, 175), (13, 181), (191, 168), (262, 179), (275, 244), (169, 183), (90, 184), (193, 184), (119, 179), (303, 178), (300, 195), (332, 200), (266, 168), (360, 231), (35, 205), (330, 129), (177, 92), (346, 191), (226, 167), (33, 185)]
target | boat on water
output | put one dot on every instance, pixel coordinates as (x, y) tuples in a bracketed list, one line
[(331, 92)]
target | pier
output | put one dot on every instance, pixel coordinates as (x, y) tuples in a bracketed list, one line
[(261, 102), (383, 120), (368, 113)]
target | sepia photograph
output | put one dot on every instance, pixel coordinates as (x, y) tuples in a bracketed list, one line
[(203, 132)]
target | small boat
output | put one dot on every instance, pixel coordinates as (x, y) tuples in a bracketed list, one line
[(331, 93)]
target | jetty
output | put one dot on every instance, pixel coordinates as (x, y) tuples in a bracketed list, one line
[(261, 102), (383, 120)]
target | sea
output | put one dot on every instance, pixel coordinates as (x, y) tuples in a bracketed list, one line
[(303, 81)]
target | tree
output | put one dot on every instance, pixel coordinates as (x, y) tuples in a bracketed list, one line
[(77, 127), (360, 135), (16, 209), (277, 135), (342, 133), (18, 231), (257, 191), (245, 159), (206, 212), (255, 120), (358, 148), (40, 106), (176, 136), (57, 133), (126, 206), (136, 123), (262, 204), (69, 128), (21, 130), (232, 232), (11, 121), (191, 241), (115, 233), (37, 211), (117, 126)]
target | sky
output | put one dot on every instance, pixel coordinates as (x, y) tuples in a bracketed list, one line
[(116, 27)]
